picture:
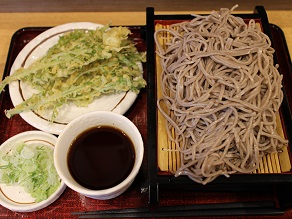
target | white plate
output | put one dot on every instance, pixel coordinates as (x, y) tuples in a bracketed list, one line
[(19, 91), (14, 197)]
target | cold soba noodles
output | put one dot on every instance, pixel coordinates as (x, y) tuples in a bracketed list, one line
[(222, 92)]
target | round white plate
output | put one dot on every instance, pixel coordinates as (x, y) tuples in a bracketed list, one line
[(14, 197), (20, 91)]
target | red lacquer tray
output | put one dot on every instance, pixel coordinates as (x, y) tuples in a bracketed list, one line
[(71, 201)]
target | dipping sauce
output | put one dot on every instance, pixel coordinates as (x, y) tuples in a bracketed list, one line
[(101, 157)]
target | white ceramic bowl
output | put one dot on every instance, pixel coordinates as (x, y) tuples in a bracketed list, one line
[(14, 197), (83, 123)]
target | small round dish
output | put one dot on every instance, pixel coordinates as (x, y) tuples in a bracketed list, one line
[(20, 91), (14, 197)]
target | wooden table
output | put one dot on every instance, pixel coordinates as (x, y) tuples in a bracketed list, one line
[(11, 22)]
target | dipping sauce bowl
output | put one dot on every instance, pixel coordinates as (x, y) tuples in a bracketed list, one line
[(99, 154)]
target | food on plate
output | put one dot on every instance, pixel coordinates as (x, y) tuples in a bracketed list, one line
[(82, 66), (30, 166), (221, 93)]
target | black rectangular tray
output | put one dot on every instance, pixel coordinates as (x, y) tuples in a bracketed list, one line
[(237, 182)]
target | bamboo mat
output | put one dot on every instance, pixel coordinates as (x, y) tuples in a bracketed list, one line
[(168, 154)]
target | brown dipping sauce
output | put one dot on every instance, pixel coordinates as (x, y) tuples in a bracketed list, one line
[(101, 157)]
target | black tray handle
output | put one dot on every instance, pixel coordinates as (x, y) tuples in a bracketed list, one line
[(151, 109)]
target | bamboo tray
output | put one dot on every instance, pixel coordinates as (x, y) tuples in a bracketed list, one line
[(274, 169), (167, 153)]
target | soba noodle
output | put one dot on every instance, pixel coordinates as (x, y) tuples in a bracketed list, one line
[(222, 92)]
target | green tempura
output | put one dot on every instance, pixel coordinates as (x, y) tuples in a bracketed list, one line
[(83, 65)]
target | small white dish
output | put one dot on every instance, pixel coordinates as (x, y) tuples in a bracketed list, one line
[(20, 91), (83, 123), (14, 197)]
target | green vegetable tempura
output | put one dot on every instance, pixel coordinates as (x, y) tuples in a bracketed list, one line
[(83, 65), (32, 167)]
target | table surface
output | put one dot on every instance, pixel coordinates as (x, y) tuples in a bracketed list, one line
[(11, 22)]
